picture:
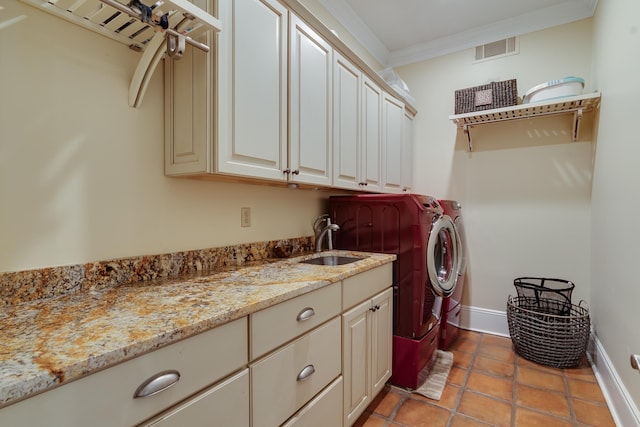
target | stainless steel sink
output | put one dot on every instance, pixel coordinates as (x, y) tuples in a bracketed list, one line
[(331, 260)]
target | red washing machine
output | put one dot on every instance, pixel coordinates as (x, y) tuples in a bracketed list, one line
[(415, 229), (451, 304)]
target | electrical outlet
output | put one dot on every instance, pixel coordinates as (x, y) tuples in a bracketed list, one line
[(245, 217)]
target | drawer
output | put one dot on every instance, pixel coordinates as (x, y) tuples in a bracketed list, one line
[(324, 410), (363, 286), (106, 397), (224, 404), (277, 325), (278, 382)]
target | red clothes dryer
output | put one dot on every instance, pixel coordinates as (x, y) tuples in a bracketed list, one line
[(415, 229), (451, 304)]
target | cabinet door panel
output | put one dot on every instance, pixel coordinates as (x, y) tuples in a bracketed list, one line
[(310, 137), (280, 382), (407, 152), (252, 86), (392, 143), (346, 124), (324, 410), (225, 404), (371, 135), (381, 336), (356, 361)]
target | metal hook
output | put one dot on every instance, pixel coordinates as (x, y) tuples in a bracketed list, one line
[(175, 46)]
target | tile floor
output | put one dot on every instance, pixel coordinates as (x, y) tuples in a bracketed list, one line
[(489, 385)]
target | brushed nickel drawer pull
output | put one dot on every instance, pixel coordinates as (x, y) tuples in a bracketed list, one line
[(157, 383), (305, 314), (306, 372)]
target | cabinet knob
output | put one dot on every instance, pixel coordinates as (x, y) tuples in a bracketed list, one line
[(286, 171), (157, 383), (306, 372), (305, 314), (295, 172)]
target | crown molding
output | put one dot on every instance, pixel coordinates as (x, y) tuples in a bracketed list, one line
[(358, 29), (535, 21)]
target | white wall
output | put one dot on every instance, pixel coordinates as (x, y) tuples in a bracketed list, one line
[(81, 173), (616, 189), (525, 188)]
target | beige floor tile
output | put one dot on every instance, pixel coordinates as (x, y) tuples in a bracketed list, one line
[(585, 390), (541, 379), (480, 393), (385, 402), (504, 354), (528, 418), (592, 414), (543, 401), (493, 386), (457, 376), (370, 420), (448, 400), (493, 366), (486, 409), (465, 343), (416, 413), (524, 363), (461, 359), (496, 340), (464, 421)]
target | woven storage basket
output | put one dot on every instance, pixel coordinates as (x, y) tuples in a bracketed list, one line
[(541, 288), (486, 97), (541, 334)]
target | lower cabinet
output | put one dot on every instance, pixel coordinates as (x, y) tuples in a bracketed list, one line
[(225, 404), (316, 360), (366, 346), (284, 381), (113, 397)]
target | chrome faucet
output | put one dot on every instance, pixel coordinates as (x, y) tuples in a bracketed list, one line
[(326, 230)]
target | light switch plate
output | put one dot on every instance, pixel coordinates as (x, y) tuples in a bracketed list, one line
[(245, 217)]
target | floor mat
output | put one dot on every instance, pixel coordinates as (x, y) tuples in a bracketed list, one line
[(436, 378)]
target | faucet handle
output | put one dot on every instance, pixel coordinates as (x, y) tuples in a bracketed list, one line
[(317, 225)]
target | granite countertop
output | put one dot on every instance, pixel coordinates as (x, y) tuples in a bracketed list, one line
[(52, 341)]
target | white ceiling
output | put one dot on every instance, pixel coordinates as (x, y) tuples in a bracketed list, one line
[(399, 32)]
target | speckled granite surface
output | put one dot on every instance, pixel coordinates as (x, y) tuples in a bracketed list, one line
[(54, 340)]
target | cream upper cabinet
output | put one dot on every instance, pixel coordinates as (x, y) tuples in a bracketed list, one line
[(407, 152), (274, 101), (392, 124), (310, 109), (371, 128), (252, 89), (347, 152)]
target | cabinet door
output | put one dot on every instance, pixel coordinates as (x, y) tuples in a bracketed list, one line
[(310, 138), (347, 81), (407, 152), (371, 144), (252, 89), (393, 113), (381, 340), (225, 404), (188, 110), (356, 361)]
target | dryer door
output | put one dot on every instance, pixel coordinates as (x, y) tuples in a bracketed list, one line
[(443, 258)]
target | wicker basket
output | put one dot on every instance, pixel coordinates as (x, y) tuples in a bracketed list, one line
[(486, 97), (540, 334), (540, 288)]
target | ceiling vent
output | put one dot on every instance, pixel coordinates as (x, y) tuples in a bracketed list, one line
[(498, 49)]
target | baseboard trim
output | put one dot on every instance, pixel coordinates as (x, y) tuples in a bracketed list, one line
[(484, 320), (623, 409)]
